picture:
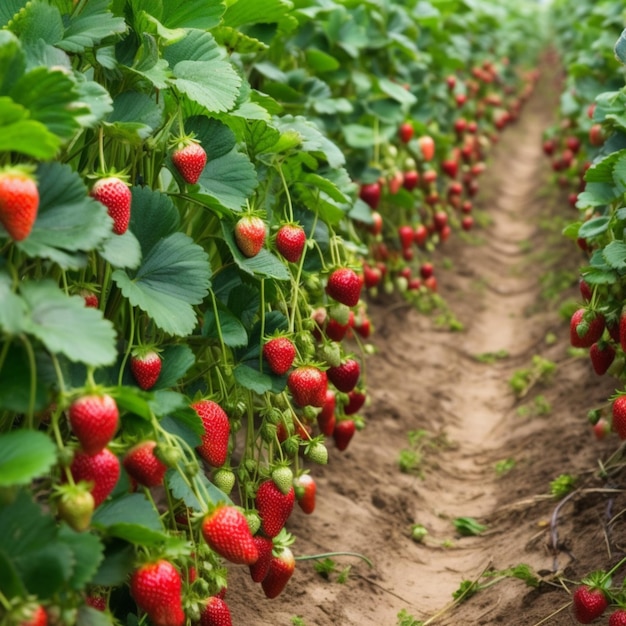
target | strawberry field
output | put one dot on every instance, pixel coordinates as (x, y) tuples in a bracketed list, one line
[(312, 312)]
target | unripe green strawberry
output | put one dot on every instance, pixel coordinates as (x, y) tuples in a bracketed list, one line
[(143, 465), (280, 571), (102, 470), (157, 590), (317, 452), (224, 480), (215, 613), (226, 531), (75, 506), (290, 241), (250, 235), (283, 478), (214, 447), (274, 507), (94, 420), (189, 159), (19, 202), (279, 352), (116, 197), (344, 285), (145, 365)]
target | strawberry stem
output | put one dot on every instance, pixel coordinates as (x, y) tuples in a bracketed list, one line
[(32, 365), (284, 181), (129, 345)]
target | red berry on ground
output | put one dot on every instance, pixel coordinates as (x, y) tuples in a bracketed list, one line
[(589, 603)]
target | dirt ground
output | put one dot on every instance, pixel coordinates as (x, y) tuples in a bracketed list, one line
[(425, 377)]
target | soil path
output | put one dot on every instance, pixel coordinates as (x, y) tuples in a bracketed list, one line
[(427, 379)]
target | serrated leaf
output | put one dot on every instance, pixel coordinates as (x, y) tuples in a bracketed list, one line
[(38, 21), (204, 15), (88, 553), (252, 12), (615, 255), (313, 140), (122, 250), (134, 117), (133, 400), (97, 101), (24, 456), (175, 363), (174, 275), (119, 561), (66, 326), (165, 401), (133, 508), (68, 220), (232, 330), (227, 181), (47, 570), (620, 48), (594, 227), (252, 379), (181, 491), (216, 138)]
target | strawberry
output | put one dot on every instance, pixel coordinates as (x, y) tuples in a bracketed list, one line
[(602, 355), (102, 469), (75, 506), (274, 507), (584, 332), (36, 616), (279, 353), (344, 285), (226, 531), (290, 241), (618, 618), (356, 399), (405, 132), (405, 234), (619, 416), (305, 489), (370, 193), (116, 197), (326, 417), (410, 179), (335, 330), (420, 235), (427, 146), (157, 589), (90, 298), (250, 235), (308, 385), (215, 613), (345, 376), (589, 603), (145, 366), (143, 466), (343, 433), (19, 202), (96, 602), (214, 447), (280, 571), (189, 159), (259, 569), (601, 429), (94, 419)]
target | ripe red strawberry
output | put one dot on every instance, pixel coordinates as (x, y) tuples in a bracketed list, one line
[(420, 234), (94, 420), (157, 590), (189, 159), (450, 167), (618, 618), (274, 507), (226, 531), (405, 132), (90, 298), (214, 447), (589, 603), (145, 365), (308, 385), (370, 193), (619, 416), (305, 489), (344, 285), (143, 466), (101, 469), (335, 330), (75, 506), (427, 146), (343, 433), (356, 399), (36, 616), (96, 602), (215, 613), (19, 202), (250, 235), (259, 569), (405, 234), (279, 353), (591, 330), (602, 355), (410, 180), (345, 376), (281, 569), (116, 197), (290, 241), (326, 417)]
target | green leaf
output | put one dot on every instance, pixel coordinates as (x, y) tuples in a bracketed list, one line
[(15, 381), (321, 61), (119, 561), (122, 250), (620, 48), (11, 584), (68, 220), (97, 101), (181, 491), (88, 553), (615, 255), (153, 217), (359, 136), (88, 616), (14, 309), (186, 425), (24, 456), (594, 227), (243, 12), (397, 92), (38, 21), (227, 181), (133, 400), (203, 15), (134, 117), (132, 508), (233, 331), (174, 275), (216, 138), (253, 379), (175, 363), (66, 326), (47, 570), (165, 401)]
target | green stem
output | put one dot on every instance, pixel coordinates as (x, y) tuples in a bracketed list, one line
[(131, 338), (33, 380)]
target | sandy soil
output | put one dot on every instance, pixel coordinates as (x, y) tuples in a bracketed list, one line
[(425, 377)]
